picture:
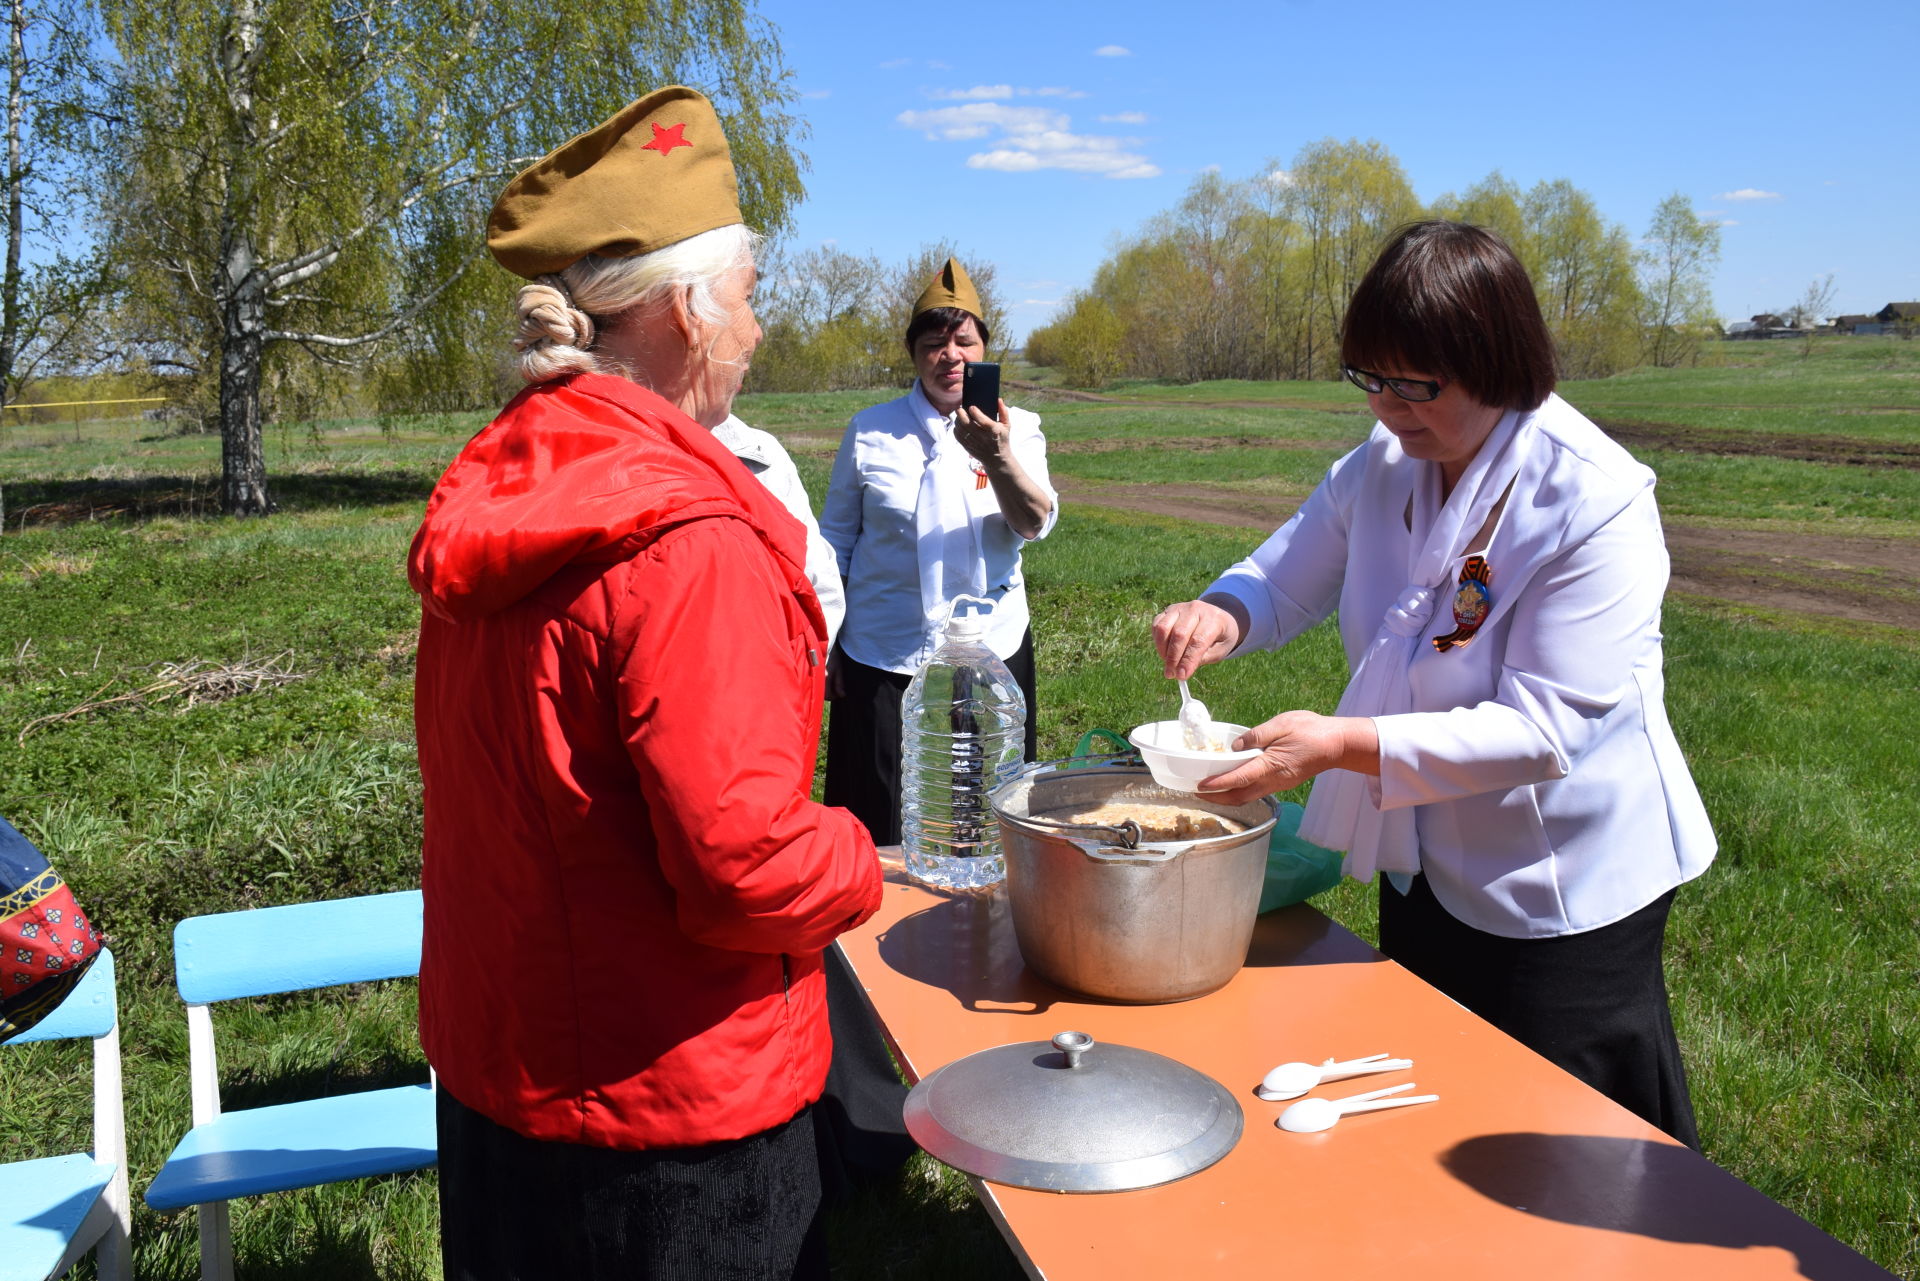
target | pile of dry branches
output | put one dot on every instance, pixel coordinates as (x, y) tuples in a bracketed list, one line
[(193, 682)]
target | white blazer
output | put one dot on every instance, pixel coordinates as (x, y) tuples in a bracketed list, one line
[(763, 455), (1551, 795)]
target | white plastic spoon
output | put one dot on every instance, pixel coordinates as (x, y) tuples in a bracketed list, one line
[(1291, 1080), (1310, 1116), (1195, 721)]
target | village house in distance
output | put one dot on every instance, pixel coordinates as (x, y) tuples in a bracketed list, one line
[(1900, 319)]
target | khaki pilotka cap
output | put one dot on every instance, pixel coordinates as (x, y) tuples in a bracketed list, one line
[(652, 176), (949, 288)]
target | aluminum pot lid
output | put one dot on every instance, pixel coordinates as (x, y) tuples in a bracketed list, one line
[(1072, 1115)]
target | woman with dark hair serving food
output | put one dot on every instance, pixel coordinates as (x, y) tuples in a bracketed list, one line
[(618, 702), (1502, 751)]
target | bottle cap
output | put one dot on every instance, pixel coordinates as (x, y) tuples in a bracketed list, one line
[(968, 626)]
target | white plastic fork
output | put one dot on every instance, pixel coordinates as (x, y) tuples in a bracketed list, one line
[(1310, 1116), (1291, 1080)]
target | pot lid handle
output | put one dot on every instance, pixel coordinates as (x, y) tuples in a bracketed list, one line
[(1073, 1045)]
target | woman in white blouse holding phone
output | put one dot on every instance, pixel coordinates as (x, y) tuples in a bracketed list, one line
[(930, 500), (1502, 751)]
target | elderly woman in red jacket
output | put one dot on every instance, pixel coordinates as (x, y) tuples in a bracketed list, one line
[(618, 702)]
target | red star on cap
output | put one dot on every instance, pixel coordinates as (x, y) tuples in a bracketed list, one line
[(665, 140)]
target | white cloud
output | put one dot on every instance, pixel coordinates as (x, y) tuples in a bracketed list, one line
[(893, 63), (1027, 139), (816, 94), (1125, 118), (978, 119), (1074, 153), (1279, 178), (977, 93), (989, 93), (1727, 222), (1748, 193), (1113, 51), (1038, 302)]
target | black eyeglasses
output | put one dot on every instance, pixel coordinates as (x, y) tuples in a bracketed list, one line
[(1404, 388)]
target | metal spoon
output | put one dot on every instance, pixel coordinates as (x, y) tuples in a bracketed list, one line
[(1291, 1080), (1195, 721), (1310, 1116)]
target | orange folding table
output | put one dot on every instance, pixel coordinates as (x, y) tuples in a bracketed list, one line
[(1519, 1170)]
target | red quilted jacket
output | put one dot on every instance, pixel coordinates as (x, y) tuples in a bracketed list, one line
[(618, 705)]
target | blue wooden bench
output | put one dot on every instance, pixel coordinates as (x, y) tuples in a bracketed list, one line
[(288, 1145), (55, 1209)]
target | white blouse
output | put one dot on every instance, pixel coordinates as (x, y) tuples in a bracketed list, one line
[(868, 518), (1550, 794), (768, 460)]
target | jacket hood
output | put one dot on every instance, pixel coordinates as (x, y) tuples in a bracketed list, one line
[(583, 469)]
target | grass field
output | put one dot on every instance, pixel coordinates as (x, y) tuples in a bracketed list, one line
[(1793, 962)]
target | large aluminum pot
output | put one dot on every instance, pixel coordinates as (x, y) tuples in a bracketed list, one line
[(1158, 922)]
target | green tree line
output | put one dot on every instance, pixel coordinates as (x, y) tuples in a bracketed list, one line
[(835, 321), (269, 209), (287, 201), (1249, 278)]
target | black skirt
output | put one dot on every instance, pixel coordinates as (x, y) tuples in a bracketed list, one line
[(520, 1209), (1593, 1003)]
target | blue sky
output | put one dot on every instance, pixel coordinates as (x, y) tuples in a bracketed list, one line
[(1033, 134)]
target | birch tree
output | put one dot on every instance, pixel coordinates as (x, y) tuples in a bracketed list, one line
[(1347, 198), (1675, 261), (283, 175), (1582, 269), (45, 309)]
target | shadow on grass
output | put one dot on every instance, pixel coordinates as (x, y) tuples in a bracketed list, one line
[(314, 1241), (252, 1089), (71, 502), (926, 1226)]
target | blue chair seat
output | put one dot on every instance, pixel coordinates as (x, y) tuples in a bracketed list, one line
[(298, 1145), (42, 1204)]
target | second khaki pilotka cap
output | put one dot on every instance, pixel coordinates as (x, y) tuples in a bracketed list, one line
[(653, 175), (950, 288)]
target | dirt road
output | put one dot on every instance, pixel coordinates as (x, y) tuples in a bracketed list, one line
[(1873, 580)]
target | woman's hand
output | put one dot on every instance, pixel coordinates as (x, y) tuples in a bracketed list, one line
[(1294, 747), (836, 676), (990, 441), (1197, 632)]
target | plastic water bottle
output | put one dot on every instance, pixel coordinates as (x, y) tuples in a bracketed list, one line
[(962, 727)]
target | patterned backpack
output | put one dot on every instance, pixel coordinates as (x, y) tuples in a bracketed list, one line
[(46, 942)]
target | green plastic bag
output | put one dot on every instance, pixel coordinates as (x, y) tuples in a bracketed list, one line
[(1088, 745), (1296, 869)]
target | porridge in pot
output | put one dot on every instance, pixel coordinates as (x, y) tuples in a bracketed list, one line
[(1157, 820)]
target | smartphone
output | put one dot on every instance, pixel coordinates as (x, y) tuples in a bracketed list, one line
[(980, 387)]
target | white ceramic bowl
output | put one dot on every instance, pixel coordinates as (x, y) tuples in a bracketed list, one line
[(1176, 766)]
